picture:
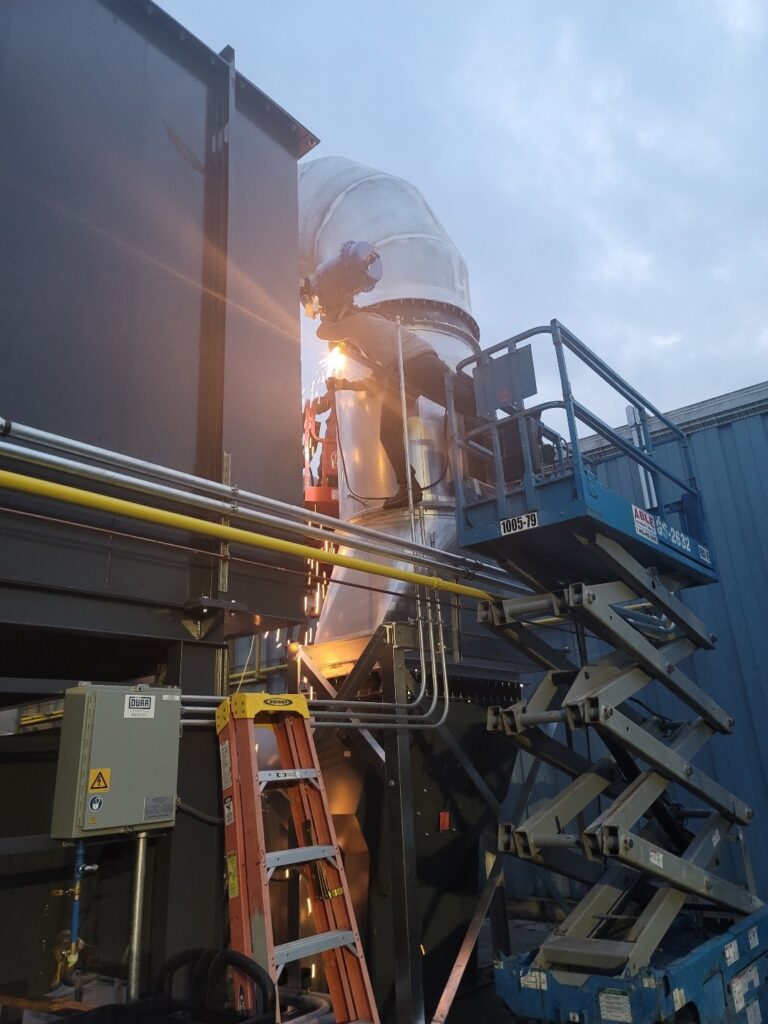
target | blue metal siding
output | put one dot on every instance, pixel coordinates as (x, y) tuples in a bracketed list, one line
[(731, 461)]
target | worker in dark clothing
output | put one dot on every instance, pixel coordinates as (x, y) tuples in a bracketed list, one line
[(376, 338), (329, 294)]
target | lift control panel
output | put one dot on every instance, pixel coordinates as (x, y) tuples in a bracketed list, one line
[(118, 760)]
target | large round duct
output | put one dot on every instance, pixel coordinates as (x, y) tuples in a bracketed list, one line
[(341, 200), (425, 281)]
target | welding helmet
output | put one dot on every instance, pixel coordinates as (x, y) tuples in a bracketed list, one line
[(354, 269)]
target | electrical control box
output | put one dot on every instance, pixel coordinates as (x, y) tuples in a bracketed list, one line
[(118, 760)]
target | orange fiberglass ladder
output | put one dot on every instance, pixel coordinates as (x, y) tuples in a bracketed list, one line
[(250, 866)]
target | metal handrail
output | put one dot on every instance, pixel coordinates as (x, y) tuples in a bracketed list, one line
[(642, 455)]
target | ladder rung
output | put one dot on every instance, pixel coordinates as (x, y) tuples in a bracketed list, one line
[(300, 855), (287, 775), (297, 950)]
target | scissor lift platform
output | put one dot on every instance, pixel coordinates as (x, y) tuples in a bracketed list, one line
[(541, 498), (546, 541)]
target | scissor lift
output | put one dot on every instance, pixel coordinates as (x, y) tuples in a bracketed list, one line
[(608, 566)]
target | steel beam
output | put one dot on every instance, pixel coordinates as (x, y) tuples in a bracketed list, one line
[(398, 795), (611, 722), (592, 606), (647, 584), (643, 855), (494, 879)]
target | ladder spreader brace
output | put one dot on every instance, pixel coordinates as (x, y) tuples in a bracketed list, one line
[(250, 866), (637, 855)]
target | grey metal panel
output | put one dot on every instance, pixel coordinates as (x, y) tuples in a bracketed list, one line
[(731, 457), (262, 371), (118, 761), (103, 217), (136, 151)]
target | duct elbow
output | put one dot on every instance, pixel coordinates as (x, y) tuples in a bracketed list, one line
[(341, 200)]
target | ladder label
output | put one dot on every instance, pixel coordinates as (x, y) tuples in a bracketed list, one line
[(229, 814), (226, 765), (233, 885), (645, 524)]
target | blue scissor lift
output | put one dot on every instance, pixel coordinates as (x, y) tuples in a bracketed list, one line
[(659, 934)]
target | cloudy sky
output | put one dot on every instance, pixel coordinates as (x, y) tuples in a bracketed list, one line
[(597, 161)]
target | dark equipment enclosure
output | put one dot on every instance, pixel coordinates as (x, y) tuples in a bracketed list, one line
[(147, 305)]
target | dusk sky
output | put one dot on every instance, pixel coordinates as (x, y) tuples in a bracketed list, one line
[(599, 162)]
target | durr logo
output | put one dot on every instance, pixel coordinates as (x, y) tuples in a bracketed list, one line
[(139, 703)]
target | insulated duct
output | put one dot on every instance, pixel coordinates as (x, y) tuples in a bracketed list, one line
[(425, 282)]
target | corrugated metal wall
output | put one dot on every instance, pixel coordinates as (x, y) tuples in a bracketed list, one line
[(731, 460)]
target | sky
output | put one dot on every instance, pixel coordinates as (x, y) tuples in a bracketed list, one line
[(601, 162)]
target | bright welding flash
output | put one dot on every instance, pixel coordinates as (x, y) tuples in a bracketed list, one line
[(335, 361)]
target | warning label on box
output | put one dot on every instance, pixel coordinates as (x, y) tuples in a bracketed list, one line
[(99, 780), (645, 524)]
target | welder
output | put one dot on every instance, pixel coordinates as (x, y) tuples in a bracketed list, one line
[(329, 294)]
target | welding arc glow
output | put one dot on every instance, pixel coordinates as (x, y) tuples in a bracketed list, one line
[(334, 363)]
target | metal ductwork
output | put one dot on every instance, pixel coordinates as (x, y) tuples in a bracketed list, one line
[(425, 282), (340, 200)]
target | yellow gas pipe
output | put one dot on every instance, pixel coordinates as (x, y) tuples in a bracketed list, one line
[(191, 524)]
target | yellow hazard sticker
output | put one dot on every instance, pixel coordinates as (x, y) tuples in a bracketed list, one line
[(99, 780), (232, 881)]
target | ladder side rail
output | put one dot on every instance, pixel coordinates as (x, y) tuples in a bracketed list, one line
[(303, 816), (346, 969), (241, 885)]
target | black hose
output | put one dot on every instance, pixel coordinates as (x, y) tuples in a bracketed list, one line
[(307, 1007), (175, 963), (206, 963), (254, 971)]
